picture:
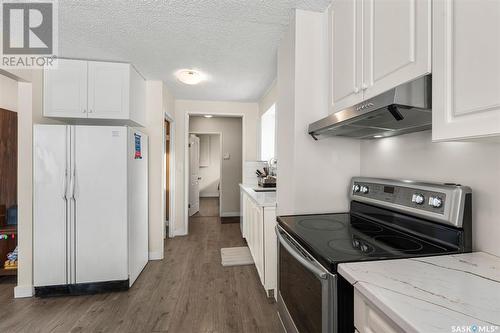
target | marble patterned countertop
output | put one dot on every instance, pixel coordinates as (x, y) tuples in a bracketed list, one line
[(262, 199), (452, 293)]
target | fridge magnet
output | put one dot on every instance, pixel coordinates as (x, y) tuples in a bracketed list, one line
[(138, 153)]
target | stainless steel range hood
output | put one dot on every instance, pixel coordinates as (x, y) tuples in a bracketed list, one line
[(404, 109)]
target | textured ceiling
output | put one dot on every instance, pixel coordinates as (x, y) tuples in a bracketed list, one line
[(233, 41)]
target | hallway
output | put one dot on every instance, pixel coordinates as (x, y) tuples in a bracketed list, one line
[(209, 207), (189, 291)]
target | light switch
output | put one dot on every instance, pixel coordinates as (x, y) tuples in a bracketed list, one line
[(227, 156)]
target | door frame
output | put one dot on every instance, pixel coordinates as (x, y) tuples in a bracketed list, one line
[(171, 174), (187, 116), (220, 164)]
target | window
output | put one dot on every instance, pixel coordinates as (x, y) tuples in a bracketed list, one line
[(267, 134)]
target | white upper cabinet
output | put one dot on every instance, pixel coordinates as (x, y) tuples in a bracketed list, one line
[(466, 70), (95, 90), (65, 90), (396, 43), (376, 45), (108, 90), (345, 53)]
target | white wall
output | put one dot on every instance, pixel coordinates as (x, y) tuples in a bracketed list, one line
[(474, 164), (231, 175), (269, 98), (8, 93), (313, 176), (210, 174), (158, 101), (250, 112), (266, 101)]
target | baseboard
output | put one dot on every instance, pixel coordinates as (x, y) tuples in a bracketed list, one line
[(155, 255), (209, 195), (230, 214), (23, 291)]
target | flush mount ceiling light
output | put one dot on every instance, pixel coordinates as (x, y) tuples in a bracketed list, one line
[(208, 116), (189, 76)]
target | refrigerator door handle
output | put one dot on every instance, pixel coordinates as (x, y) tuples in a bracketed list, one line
[(74, 191), (65, 186), (72, 185)]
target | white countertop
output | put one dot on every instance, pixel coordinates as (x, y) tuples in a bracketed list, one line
[(262, 199), (432, 294)]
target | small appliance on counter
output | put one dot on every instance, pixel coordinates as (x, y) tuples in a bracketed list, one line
[(388, 219), (267, 177)]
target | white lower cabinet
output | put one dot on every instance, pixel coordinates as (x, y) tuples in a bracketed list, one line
[(259, 231), (369, 319)]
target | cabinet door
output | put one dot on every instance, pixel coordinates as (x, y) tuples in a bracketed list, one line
[(65, 89), (466, 70), (396, 43), (345, 53), (109, 88), (270, 249), (259, 241)]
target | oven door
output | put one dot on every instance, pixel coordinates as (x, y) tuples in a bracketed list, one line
[(306, 290)]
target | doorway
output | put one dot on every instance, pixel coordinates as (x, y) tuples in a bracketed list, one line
[(8, 193), (168, 200), (167, 175), (231, 130)]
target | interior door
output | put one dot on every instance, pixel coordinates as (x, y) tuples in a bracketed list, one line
[(194, 180), (345, 53), (65, 89), (397, 43), (50, 204), (109, 89), (100, 192)]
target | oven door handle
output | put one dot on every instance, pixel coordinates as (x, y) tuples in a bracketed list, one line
[(300, 258)]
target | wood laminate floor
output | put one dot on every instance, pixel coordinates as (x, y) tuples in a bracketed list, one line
[(209, 207), (189, 291)]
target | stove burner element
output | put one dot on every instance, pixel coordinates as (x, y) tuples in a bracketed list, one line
[(400, 243), (352, 246), (321, 224)]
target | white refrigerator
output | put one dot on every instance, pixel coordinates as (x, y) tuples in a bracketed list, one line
[(90, 222)]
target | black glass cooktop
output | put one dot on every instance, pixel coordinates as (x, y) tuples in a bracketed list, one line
[(345, 237)]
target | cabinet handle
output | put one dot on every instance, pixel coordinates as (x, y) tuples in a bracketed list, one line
[(365, 86), (84, 110), (356, 90), (90, 111)]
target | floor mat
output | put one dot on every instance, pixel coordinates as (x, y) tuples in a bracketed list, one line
[(236, 256)]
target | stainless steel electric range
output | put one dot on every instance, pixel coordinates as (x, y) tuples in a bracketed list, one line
[(388, 219)]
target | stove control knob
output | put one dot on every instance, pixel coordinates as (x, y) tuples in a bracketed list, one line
[(435, 202), (356, 188), (364, 189), (418, 198)]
